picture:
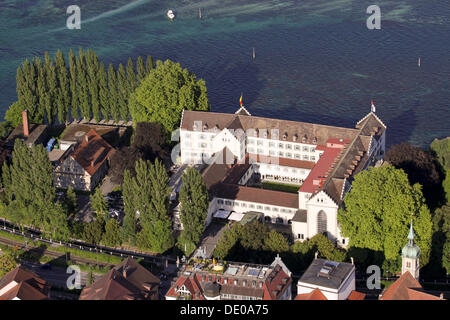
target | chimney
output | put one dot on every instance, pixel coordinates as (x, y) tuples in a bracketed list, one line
[(441, 296), (86, 137), (315, 254), (351, 258), (124, 272), (26, 127)]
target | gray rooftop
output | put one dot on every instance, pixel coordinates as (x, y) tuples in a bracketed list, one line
[(325, 273)]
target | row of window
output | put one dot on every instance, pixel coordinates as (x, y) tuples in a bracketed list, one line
[(281, 145), (282, 154), (253, 206), (285, 169)]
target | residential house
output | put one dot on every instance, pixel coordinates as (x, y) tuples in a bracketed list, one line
[(84, 166), (23, 284), (235, 281), (126, 281)]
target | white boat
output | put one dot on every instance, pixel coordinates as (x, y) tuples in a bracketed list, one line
[(170, 15)]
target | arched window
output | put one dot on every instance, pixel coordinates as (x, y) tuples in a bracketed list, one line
[(321, 222), (267, 219)]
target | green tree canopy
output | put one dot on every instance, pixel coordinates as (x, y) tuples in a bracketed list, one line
[(421, 167), (194, 205), (164, 93), (441, 148), (112, 233), (7, 263), (276, 242), (378, 211), (99, 203)]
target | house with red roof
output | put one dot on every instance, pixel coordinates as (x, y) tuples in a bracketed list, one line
[(85, 164), (236, 281), (23, 284)]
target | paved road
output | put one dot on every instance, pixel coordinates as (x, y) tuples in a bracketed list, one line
[(56, 276), (211, 236)]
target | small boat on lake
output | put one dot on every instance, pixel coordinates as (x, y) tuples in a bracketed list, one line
[(170, 14)]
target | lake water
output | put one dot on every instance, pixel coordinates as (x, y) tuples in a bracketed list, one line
[(316, 61)]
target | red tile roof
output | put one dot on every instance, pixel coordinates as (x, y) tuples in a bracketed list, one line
[(92, 152), (29, 285), (191, 284), (316, 294), (257, 195), (302, 164), (406, 288), (355, 295), (320, 170)]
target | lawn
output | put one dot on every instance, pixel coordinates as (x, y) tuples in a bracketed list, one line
[(280, 187)]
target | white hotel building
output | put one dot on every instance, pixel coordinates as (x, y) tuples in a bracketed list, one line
[(320, 159)]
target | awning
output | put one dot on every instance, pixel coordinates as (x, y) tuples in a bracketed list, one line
[(236, 216), (223, 214)]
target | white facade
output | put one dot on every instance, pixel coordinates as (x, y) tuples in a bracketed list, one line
[(341, 293), (201, 143)]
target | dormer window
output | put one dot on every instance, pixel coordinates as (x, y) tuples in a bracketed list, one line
[(315, 140), (304, 138), (205, 127), (285, 136), (294, 138)]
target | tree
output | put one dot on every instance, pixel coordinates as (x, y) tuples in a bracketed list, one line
[(113, 93), (164, 93), (123, 159), (90, 277), (229, 239), (14, 114), (194, 205), (441, 148), (7, 263), (253, 236), (421, 167), (149, 64), (112, 233), (326, 248), (128, 231), (124, 91), (71, 200), (93, 232), (149, 140), (104, 92), (276, 242), (378, 211), (99, 204), (29, 183), (141, 72)]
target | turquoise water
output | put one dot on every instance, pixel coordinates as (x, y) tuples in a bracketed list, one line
[(315, 60)]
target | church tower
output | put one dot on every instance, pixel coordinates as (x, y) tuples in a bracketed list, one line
[(410, 255)]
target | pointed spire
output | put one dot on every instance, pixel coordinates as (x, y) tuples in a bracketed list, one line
[(411, 232)]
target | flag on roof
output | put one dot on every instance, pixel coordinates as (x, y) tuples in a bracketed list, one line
[(240, 100), (373, 107)]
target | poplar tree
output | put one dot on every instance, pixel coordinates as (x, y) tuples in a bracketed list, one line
[(73, 85), (104, 92), (113, 93), (149, 65), (131, 76), (128, 230), (141, 72), (123, 88), (194, 205), (98, 203), (63, 99), (112, 233), (92, 68)]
